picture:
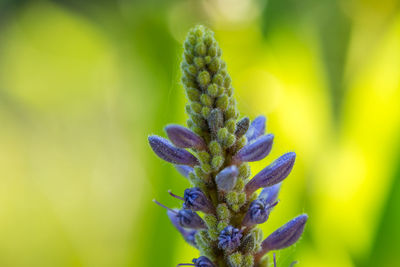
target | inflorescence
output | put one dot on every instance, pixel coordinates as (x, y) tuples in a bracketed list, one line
[(221, 145)]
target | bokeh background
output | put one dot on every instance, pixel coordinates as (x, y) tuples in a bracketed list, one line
[(83, 83)]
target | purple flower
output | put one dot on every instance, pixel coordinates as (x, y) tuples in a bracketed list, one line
[(270, 193), (258, 212), (273, 173), (188, 235), (285, 236), (186, 218), (184, 170), (226, 179), (190, 219), (255, 151), (184, 138), (229, 238), (256, 129), (260, 208), (199, 262), (165, 150), (203, 262), (196, 200)]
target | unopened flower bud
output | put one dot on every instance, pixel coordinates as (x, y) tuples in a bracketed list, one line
[(166, 151), (229, 238), (187, 234), (184, 138), (255, 151), (285, 236), (226, 179), (256, 129), (272, 174), (184, 170), (270, 193)]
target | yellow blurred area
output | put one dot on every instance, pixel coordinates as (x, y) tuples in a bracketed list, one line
[(82, 85)]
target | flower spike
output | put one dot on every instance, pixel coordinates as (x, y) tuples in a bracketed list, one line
[(221, 211)]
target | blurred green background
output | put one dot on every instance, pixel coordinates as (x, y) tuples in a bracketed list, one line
[(82, 84)]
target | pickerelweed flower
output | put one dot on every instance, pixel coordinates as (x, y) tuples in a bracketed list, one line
[(221, 211)]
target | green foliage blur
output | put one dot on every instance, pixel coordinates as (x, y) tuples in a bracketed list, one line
[(83, 83)]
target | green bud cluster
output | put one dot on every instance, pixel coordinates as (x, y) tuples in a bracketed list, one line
[(211, 108)]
